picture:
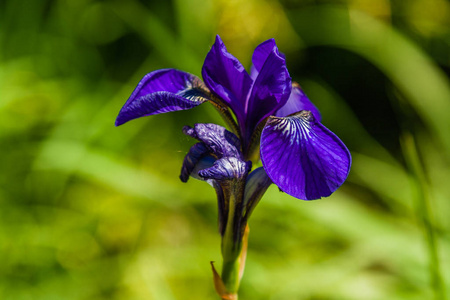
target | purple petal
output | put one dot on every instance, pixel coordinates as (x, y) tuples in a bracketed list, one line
[(219, 141), (226, 168), (193, 159), (227, 78), (270, 91), (256, 185), (197, 160), (302, 157), (260, 55), (298, 101), (163, 91)]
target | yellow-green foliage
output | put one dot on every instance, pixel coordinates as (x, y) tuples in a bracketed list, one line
[(91, 211)]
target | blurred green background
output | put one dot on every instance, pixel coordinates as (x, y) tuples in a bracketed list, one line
[(91, 211)]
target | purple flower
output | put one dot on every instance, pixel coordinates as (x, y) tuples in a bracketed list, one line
[(299, 154)]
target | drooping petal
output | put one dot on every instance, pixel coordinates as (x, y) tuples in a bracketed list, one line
[(298, 101), (260, 55), (217, 159), (163, 91), (270, 91), (219, 141), (193, 159), (227, 78), (302, 157), (226, 168)]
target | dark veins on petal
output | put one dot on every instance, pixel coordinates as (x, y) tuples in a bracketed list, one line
[(196, 154), (302, 157), (218, 160), (220, 141), (226, 168), (163, 91)]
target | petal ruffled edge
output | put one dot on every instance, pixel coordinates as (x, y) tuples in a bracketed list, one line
[(302, 157), (163, 91)]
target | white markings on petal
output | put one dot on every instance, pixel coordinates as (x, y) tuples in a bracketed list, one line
[(303, 157)]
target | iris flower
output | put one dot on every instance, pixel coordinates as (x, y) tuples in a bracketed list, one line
[(270, 118), (299, 154)]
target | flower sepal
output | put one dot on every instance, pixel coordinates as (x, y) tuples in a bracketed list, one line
[(164, 91), (303, 157)]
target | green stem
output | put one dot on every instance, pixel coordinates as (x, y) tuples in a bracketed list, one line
[(231, 246), (424, 212), (232, 240)]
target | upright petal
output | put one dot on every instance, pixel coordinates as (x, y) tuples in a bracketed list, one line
[(298, 101), (302, 157), (163, 91), (227, 78), (260, 55), (270, 91)]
